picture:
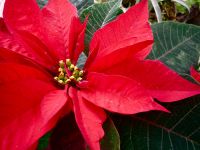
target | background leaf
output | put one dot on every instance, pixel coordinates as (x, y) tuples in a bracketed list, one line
[(178, 130), (44, 142), (42, 3), (99, 15), (81, 60), (177, 45), (80, 4), (111, 140)]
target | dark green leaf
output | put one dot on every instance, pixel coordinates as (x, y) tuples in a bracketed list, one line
[(99, 15), (44, 141), (42, 3), (111, 140), (177, 45), (178, 130)]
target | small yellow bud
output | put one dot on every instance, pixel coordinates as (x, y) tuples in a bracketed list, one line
[(60, 81), (75, 73), (60, 69), (79, 79), (68, 62), (71, 67), (68, 73), (61, 64), (56, 78), (68, 80), (81, 73), (75, 68), (71, 77), (62, 74)]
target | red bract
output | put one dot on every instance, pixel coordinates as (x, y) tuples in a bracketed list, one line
[(195, 74), (115, 77)]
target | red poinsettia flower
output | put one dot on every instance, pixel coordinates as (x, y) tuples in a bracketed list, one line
[(39, 80)]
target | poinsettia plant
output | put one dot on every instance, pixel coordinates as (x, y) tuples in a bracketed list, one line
[(41, 81)]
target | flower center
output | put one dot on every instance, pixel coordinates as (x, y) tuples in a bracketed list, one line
[(68, 73)]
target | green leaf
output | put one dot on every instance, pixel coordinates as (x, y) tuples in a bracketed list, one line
[(44, 141), (177, 45), (81, 61), (80, 4), (111, 140), (99, 15), (42, 3), (178, 130)]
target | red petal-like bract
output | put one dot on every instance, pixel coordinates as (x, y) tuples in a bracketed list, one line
[(89, 119), (195, 74), (60, 31), (76, 39), (30, 106), (24, 15), (117, 57), (25, 44), (118, 94), (28, 38), (13, 72), (159, 81), (3, 26), (7, 41), (127, 30), (57, 15), (25, 115), (27, 109)]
